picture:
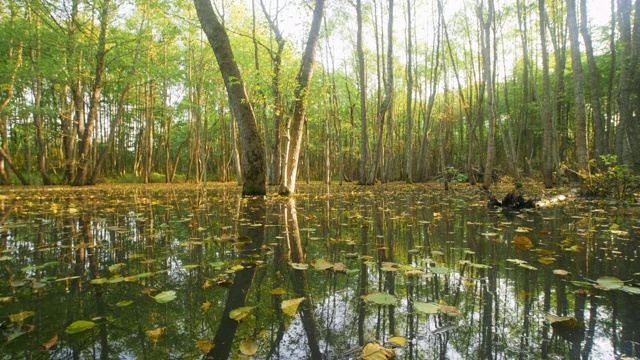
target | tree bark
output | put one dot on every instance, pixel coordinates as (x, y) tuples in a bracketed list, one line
[(547, 123), (252, 144), (409, 109), (581, 151), (491, 111), (597, 117), (85, 141), (362, 82), (301, 94)]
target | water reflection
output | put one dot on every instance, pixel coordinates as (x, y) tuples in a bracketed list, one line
[(104, 256)]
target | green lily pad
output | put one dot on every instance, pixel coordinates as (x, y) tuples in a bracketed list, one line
[(610, 282), (124, 303), (439, 270), (631, 290), (381, 298), (165, 296), (21, 316), (99, 281), (427, 308), (80, 326)]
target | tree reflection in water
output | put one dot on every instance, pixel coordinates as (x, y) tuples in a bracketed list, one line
[(108, 252)]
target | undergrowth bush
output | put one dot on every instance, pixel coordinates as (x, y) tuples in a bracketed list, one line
[(614, 181)]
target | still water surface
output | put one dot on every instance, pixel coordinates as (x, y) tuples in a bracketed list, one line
[(160, 272)]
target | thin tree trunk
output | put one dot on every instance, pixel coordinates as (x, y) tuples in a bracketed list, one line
[(362, 82), (491, 111), (87, 133), (547, 123), (386, 102), (301, 94), (581, 151), (409, 109)]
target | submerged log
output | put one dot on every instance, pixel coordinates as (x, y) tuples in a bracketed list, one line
[(512, 201)]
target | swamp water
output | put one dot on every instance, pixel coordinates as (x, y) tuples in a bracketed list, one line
[(166, 272)]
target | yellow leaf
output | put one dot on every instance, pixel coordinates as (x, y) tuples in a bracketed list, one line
[(49, 344), (205, 345), (278, 291), (339, 267), (155, 335), (290, 307), (249, 346), (522, 242), (205, 306), (240, 313), (561, 272), (546, 260), (398, 340), (450, 310), (373, 351)]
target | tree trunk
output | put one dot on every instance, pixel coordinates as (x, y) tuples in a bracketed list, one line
[(87, 133), (581, 151), (362, 82), (491, 111), (252, 144), (301, 94), (547, 123), (386, 102), (597, 117), (409, 109)]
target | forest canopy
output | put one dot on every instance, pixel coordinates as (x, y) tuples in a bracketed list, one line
[(130, 90)]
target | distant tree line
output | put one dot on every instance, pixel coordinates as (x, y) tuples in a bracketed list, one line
[(411, 90)]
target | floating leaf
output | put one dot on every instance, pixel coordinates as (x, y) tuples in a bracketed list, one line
[(566, 321), (5, 258), (610, 282), (561, 272), (516, 261), (522, 243), (165, 296), (427, 308), (439, 270), (480, 266), (205, 306), (205, 345), (381, 298), (240, 313), (217, 264), (300, 266), (546, 260), (398, 340), (116, 267), (582, 283), (339, 267), (249, 346), (49, 344), (236, 268), (99, 281), (144, 275), (450, 310), (414, 272), (115, 279), (156, 334), (124, 303), (278, 291), (21, 316), (322, 264), (527, 266), (631, 290), (373, 351), (388, 268), (190, 267), (290, 307), (80, 326)]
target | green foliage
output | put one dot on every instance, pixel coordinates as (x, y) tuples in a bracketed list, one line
[(615, 180)]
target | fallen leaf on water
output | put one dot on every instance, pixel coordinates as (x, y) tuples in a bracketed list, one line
[(322, 264), (49, 344), (373, 351), (240, 313), (546, 260), (381, 298), (278, 291), (205, 345), (290, 307), (610, 282), (156, 334), (339, 267), (21, 316), (568, 321), (249, 346), (80, 326), (205, 306), (427, 308), (450, 310), (299, 266), (165, 297), (561, 272), (398, 340), (522, 243)]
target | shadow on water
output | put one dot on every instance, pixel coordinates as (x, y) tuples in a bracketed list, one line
[(156, 273)]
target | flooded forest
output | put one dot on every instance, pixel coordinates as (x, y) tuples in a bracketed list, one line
[(311, 179)]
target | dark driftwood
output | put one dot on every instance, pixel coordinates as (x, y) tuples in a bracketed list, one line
[(512, 201)]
